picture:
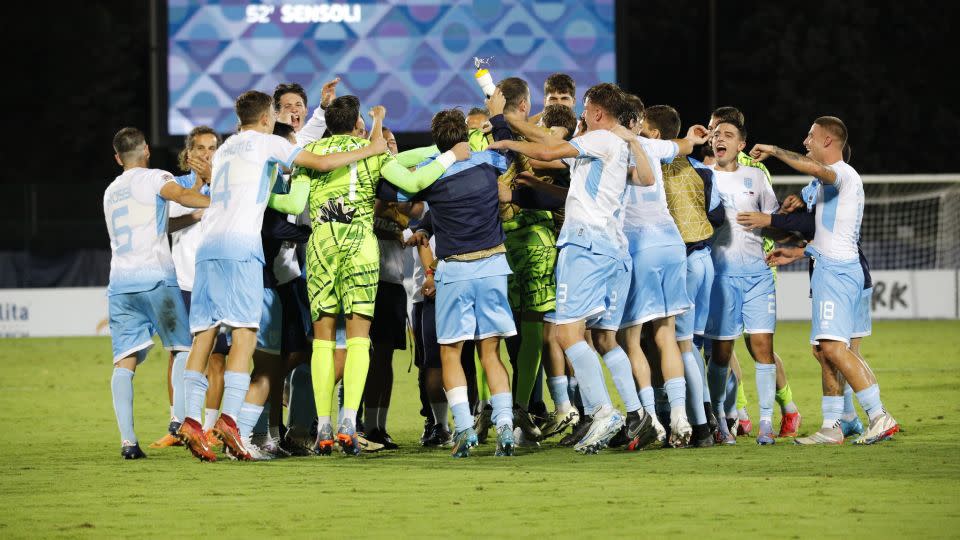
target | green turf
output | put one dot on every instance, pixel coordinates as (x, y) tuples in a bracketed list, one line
[(62, 475)]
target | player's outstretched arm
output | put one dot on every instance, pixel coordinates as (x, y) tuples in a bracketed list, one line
[(548, 151), (797, 162), (296, 200), (416, 156), (784, 255), (173, 191), (641, 174), (420, 179), (330, 162)]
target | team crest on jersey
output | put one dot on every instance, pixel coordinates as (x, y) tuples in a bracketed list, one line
[(336, 210), (748, 183)]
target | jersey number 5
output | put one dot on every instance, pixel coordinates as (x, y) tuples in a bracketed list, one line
[(121, 233)]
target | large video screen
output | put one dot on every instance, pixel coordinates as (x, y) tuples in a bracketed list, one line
[(412, 57)]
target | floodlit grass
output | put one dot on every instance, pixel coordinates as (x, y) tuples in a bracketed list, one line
[(61, 473)]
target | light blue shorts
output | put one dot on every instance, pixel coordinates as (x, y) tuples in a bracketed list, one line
[(228, 294), (837, 293), (341, 331), (699, 284), (270, 332), (473, 309), (658, 285), (741, 304), (863, 327), (136, 317), (590, 287)]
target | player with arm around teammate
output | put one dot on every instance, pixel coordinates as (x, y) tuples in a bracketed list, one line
[(837, 280)]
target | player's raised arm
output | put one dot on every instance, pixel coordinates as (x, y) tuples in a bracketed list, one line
[(641, 173), (799, 163), (173, 191), (696, 135)]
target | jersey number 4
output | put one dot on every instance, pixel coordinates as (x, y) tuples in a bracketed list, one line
[(220, 187)]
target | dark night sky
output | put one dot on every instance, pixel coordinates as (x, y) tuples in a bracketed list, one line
[(77, 74)]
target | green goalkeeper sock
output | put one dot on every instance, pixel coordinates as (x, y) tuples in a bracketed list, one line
[(741, 397), (785, 399), (355, 373), (483, 390), (528, 360)]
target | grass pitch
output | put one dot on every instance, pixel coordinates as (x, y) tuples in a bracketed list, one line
[(61, 473)]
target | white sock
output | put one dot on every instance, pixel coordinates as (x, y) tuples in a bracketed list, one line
[(210, 418), (172, 416), (349, 414), (323, 420), (742, 413), (676, 413)]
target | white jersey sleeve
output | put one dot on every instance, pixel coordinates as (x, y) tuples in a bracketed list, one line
[(313, 129), (136, 219), (243, 175)]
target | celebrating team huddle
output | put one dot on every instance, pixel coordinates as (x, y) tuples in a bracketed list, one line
[(302, 247)]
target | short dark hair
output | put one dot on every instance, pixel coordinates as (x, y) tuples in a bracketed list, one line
[(128, 140), (835, 126), (250, 105), (514, 91), (729, 113), (478, 110), (283, 130), (342, 114), (632, 110), (560, 115), (448, 128), (288, 88), (607, 96), (664, 118), (560, 83), (190, 141), (739, 127)]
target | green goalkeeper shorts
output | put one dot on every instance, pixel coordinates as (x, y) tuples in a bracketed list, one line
[(532, 286), (343, 268)]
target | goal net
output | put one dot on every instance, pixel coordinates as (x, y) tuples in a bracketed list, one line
[(910, 222)]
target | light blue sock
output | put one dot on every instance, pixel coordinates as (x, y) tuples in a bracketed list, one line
[(249, 414), (730, 398), (302, 409), (717, 382), (849, 411), (647, 401), (195, 388), (502, 414), (559, 391), (593, 391), (766, 390), (869, 399), (121, 386), (694, 386), (619, 366), (703, 374), (235, 386), (676, 390), (457, 399), (263, 423), (832, 408), (176, 380)]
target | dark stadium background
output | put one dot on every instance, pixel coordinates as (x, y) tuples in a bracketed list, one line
[(77, 72)]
